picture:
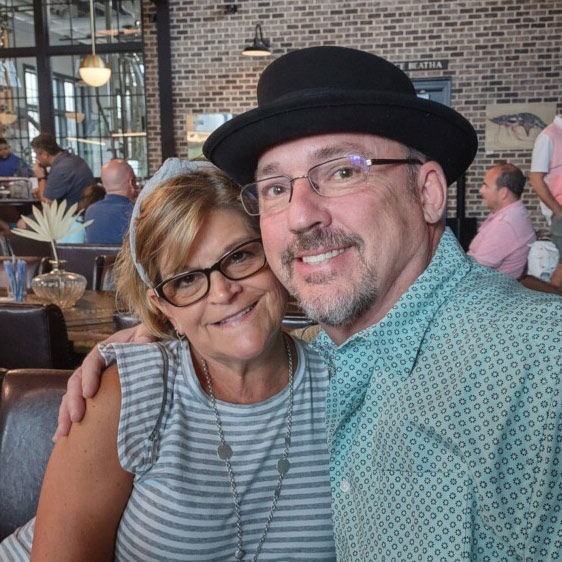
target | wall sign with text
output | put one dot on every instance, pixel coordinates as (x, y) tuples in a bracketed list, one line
[(433, 64)]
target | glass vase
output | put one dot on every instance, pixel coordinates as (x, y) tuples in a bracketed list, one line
[(59, 287)]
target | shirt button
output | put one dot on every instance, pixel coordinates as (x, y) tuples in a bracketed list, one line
[(345, 486)]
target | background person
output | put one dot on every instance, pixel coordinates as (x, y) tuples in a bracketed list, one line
[(90, 195), (61, 175), (546, 180), (226, 455), (504, 238), (111, 215), (10, 164)]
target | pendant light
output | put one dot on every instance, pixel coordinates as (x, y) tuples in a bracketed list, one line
[(260, 46), (92, 69)]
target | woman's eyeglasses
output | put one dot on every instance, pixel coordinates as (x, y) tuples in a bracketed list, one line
[(189, 287)]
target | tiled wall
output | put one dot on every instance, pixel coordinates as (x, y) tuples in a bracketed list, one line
[(500, 51)]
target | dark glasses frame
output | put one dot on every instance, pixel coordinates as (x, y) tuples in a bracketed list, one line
[(207, 272)]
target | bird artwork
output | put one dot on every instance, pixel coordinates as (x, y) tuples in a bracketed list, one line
[(512, 121)]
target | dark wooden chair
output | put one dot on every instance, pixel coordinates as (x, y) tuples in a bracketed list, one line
[(34, 336), (13, 244), (103, 273), (81, 258), (123, 320), (295, 318), (29, 403)]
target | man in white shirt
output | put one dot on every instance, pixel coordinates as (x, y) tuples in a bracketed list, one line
[(546, 180)]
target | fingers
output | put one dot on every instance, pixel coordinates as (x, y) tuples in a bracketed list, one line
[(91, 371), (72, 405), (64, 422)]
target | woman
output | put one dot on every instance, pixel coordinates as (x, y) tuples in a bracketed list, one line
[(211, 446)]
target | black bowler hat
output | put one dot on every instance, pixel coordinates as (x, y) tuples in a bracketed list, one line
[(335, 89)]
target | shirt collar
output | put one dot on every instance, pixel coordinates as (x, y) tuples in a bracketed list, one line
[(507, 209), (409, 319)]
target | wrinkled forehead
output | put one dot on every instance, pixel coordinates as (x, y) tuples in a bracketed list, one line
[(310, 151)]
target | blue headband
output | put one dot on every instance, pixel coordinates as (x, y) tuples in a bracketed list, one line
[(171, 168)]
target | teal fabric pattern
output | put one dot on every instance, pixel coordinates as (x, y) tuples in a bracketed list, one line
[(444, 422)]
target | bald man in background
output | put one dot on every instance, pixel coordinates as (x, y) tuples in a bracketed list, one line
[(111, 215)]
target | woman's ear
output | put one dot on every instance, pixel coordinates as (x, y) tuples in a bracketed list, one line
[(432, 187), (153, 298)]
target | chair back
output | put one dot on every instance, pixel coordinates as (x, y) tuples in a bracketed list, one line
[(81, 258), (34, 336), (29, 403), (123, 320), (22, 246), (294, 317), (103, 273)]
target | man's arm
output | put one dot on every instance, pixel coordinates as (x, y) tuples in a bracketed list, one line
[(85, 381), (40, 173), (536, 179), (85, 489), (493, 248)]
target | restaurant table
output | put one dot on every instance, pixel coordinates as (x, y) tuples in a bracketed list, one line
[(90, 320), (12, 209)]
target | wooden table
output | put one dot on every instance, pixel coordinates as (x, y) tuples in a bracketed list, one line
[(15, 207), (90, 320)]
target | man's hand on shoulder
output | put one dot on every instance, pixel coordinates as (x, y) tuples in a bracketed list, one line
[(85, 381)]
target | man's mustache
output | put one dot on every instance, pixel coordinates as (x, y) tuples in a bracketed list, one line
[(319, 238)]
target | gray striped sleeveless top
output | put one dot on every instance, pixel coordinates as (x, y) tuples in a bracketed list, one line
[(181, 505)]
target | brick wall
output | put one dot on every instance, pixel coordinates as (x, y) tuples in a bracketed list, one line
[(500, 51)]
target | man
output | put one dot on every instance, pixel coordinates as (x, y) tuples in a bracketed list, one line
[(10, 164), (111, 215), (504, 238), (443, 411), (546, 180), (68, 174)]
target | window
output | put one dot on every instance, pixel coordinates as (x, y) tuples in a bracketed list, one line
[(40, 86)]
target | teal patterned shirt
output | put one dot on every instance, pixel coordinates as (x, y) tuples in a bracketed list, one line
[(444, 422)]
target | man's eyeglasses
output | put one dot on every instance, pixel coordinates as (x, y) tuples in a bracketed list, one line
[(333, 178), (189, 287)]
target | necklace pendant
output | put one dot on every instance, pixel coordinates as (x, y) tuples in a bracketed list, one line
[(224, 451), (240, 555), (283, 466)]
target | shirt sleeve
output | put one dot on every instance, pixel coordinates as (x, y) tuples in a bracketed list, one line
[(542, 154), (494, 246)]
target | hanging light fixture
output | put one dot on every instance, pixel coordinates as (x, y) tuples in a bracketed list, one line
[(260, 46), (7, 117), (92, 69)]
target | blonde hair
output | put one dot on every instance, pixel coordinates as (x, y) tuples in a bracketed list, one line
[(169, 220)]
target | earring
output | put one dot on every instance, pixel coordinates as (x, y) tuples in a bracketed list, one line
[(179, 336)]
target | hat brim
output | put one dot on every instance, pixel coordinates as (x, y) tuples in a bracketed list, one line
[(434, 129)]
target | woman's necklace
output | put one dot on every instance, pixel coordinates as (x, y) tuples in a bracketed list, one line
[(225, 453)]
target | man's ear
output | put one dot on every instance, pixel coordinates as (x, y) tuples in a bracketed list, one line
[(504, 192), (432, 188)]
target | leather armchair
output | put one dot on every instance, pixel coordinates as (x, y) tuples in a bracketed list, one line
[(34, 336), (29, 404)]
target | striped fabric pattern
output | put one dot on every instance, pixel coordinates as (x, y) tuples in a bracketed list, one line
[(181, 506)]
